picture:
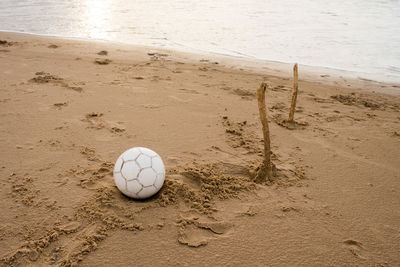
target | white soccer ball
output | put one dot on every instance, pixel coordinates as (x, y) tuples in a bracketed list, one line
[(139, 173)]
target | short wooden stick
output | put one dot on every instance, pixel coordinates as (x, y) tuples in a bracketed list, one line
[(265, 171), (294, 93)]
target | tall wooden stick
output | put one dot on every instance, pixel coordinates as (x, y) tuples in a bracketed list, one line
[(294, 94), (265, 170)]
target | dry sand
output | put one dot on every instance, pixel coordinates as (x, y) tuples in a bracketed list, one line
[(70, 107)]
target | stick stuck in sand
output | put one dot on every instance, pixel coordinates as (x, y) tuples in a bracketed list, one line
[(265, 170), (294, 94)]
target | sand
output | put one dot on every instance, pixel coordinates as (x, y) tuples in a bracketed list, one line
[(69, 108)]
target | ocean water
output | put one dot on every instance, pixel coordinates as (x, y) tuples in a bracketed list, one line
[(362, 36)]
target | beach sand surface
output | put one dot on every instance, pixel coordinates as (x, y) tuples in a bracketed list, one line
[(69, 108)]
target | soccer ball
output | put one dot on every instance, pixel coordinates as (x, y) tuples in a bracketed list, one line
[(139, 173)]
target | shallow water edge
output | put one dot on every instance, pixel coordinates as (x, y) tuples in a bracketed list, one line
[(323, 75)]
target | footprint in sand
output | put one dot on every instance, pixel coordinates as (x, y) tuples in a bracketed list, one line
[(280, 106), (197, 232), (362, 101), (154, 56), (244, 94), (60, 105), (189, 91), (96, 121), (100, 61), (320, 100), (44, 77), (240, 136), (356, 248), (279, 88), (103, 53), (7, 43)]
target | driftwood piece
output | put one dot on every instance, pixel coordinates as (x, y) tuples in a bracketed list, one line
[(294, 93), (264, 172)]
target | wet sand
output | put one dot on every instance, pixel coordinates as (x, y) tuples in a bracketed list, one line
[(69, 108)]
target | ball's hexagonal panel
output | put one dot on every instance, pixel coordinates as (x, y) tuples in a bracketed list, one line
[(120, 182), (130, 170), (144, 161), (148, 152), (133, 187), (147, 177), (131, 154), (118, 165), (147, 192), (159, 180), (157, 165)]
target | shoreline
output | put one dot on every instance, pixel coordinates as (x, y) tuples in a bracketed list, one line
[(324, 75)]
